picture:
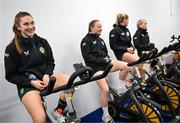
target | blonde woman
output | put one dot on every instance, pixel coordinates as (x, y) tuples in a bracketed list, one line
[(120, 41), (141, 38)]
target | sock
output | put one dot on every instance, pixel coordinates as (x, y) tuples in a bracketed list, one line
[(61, 104), (105, 110)]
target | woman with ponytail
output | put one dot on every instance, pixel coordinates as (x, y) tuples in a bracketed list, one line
[(29, 63)]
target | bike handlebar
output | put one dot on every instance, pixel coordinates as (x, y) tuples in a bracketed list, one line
[(50, 88), (144, 57)]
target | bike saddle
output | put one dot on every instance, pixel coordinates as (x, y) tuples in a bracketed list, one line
[(84, 76)]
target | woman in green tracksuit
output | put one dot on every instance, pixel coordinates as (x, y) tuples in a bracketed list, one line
[(95, 54), (29, 63)]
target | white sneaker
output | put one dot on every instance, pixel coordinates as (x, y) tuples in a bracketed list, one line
[(58, 116), (143, 84), (107, 119)]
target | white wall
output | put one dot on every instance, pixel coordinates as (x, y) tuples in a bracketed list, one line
[(178, 6), (0, 41), (64, 23), (1, 62)]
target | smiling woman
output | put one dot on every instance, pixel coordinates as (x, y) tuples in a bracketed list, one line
[(23, 25), (95, 55), (29, 63)]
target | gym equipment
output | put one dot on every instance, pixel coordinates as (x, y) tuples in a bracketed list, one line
[(86, 76), (161, 94), (133, 105)]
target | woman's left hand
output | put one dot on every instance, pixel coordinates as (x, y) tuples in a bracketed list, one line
[(46, 79)]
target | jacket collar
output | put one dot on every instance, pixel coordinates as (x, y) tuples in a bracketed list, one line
[(29, 41)]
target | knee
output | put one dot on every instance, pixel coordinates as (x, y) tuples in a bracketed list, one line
[(124, 66), (58, 76), (40, 118), (61, 78), (136, 57), (105, 90)]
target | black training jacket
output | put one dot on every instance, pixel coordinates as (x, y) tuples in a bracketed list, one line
[(94, 52), (36, 58), (120, 39), (141, 40)]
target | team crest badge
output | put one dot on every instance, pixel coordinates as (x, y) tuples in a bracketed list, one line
[(42, 50)]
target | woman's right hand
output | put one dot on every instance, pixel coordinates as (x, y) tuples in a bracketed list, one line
[(130, 50), (38, 84)]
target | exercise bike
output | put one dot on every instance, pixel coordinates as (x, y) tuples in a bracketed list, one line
[(86, 75), (163, 93), (160, 94), (133, 106), (172, 74), (169, 86)]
